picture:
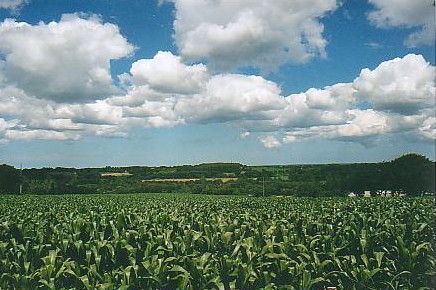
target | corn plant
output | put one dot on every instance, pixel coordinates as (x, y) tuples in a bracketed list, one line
[(147, 241)]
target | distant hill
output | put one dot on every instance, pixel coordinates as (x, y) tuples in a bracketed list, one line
[(412, 174)]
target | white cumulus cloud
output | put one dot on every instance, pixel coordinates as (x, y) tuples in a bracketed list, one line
[(400, 94), (12, 5), (167, 74), (270, 142), (231, 97), (428, 128), (337, 97), (245, 135), (406, 14), (259, 33), (397, 97), (66, 61), (402, 85), (363, 123)]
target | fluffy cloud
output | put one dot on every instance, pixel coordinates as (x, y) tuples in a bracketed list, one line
[(402, 85), (4, 127), (289, 139), (428, 128), (33, 118), (28, 111), (153, 114), (231, 97), (66, 61), (13, 5), (97, 113), (407, 14), (136, 96), (338, 96), (270, 142), (363, 123), (167, 74), (316, 107), (400, 94), (365, 126), (245, 135), (397, 97), (257, 33)]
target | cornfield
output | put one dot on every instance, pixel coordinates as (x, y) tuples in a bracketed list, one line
[(147, 241)]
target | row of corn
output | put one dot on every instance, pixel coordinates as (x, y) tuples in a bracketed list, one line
[(147, 241)]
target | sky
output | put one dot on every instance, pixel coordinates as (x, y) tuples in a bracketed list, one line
[(92, 83)]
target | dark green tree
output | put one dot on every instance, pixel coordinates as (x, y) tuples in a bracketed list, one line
[(9, 179), (412, 174)]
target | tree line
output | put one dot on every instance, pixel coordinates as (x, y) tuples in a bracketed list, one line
[(411, 174)]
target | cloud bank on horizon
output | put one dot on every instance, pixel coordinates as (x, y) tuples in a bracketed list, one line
[(56, 78)]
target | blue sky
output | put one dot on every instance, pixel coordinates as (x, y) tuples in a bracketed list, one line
[(96, 83)]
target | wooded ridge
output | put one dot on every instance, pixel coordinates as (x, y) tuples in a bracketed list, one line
[(410, 174)]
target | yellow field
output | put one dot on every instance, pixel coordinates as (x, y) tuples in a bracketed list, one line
[(116, 174), (223, 179)]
